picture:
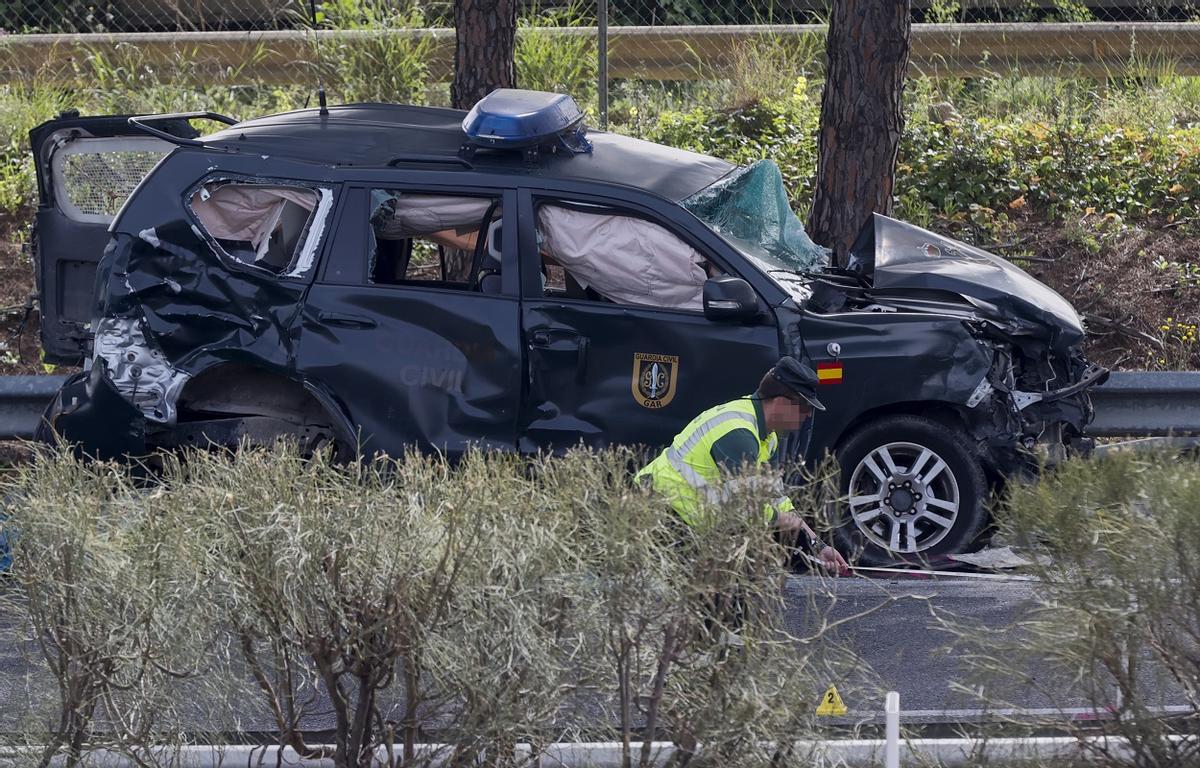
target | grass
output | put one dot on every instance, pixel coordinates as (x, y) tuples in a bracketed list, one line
[(552, 63)]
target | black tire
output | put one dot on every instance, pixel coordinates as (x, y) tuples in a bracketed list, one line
[(939, 509)]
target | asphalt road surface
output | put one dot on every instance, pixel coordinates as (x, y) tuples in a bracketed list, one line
[(901, 637)]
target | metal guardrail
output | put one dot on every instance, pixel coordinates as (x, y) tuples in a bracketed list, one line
[(23, 400), (1130, 404), (657, 53), (1147, 404)]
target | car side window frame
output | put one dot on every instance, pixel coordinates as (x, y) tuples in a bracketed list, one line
[(531, 286), (348, 261), (318, 225)]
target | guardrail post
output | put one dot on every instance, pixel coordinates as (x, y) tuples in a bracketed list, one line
[(602, 53), (891, 749)]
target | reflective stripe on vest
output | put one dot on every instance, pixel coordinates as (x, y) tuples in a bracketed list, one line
[(686, 472), (676, 454)]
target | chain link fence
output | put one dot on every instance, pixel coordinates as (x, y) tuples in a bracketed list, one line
[(682, 49), (81, 16)]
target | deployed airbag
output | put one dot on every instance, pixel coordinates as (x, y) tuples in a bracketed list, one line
[(396, 217), (246, 212), (623, 258)]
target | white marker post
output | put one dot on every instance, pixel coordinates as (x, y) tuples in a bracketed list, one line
[(891, 749)]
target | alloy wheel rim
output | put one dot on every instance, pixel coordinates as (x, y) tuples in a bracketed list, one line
[(904, 497)]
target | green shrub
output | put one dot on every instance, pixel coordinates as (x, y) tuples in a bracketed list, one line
[(1116, 544), (378, 65), (554, 63), (783, 130), (973, 166), (22, 108), (770, 68), (1054, 170), (112, 592)]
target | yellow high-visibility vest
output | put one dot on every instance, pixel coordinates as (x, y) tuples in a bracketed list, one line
[(685, 472)]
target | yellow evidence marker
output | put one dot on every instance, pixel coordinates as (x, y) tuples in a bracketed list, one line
[(831, 703)]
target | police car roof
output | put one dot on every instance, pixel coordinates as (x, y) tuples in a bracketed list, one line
[(374, 135)]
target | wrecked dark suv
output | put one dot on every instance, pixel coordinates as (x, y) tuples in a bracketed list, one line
[(372, 276)]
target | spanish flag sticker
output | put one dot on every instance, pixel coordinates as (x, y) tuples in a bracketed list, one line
[(829, 373)]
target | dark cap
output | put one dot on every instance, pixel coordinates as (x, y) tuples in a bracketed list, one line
[(799, 378)]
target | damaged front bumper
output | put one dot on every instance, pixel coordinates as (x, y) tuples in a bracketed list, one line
[(1021, 428), (89, 411)]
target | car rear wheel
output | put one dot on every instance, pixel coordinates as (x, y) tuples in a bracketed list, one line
[(911, 489)]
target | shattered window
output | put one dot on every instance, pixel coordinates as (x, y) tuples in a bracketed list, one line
[(604, 254), (263, 225), (449, 241), (750, 209), (93, 177), (99, 183)]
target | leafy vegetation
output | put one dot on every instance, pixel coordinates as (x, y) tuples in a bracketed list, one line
[(1025, 162), (381, 62), (554, 63)]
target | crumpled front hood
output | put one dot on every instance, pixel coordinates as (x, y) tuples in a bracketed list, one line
[(895, 256)]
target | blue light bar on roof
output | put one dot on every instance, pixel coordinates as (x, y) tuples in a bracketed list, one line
[(508, 118)]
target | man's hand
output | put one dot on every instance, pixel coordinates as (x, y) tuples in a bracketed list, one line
[(832, 561)]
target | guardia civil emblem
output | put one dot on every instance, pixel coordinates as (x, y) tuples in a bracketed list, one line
[(654, 378)]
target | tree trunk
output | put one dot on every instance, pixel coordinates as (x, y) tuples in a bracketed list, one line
[(484, 41), (861, 118)]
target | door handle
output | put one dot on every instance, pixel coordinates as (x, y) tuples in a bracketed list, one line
[(557, 339), (346, 321), (581, 361), (563, 341)]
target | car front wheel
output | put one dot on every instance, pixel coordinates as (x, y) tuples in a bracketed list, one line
[(911, 489)]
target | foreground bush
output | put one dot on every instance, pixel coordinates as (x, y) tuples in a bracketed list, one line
[(1118, 602), (492, 603), (112, 587)]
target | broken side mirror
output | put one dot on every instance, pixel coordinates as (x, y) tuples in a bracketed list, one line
[(729, 298)]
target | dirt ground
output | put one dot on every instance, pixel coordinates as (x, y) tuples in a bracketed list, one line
[(19, 323), (1128, 284), (1138, 290)]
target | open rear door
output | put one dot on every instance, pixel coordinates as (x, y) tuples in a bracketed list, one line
[(86, 168)]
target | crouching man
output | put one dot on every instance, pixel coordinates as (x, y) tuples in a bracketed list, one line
[(740, 434)]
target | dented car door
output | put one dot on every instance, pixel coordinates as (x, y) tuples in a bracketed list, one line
[(416, 356)]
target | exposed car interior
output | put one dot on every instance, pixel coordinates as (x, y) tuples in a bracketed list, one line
[(424, 239), (613, 255), (587, 252), (255, 224)]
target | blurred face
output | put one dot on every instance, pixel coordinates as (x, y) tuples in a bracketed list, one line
[(785, 415)]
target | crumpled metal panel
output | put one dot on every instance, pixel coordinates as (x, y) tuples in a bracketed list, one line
[(902, 256), (89, 414), (138, 370), (198, 309), (889, 358)]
